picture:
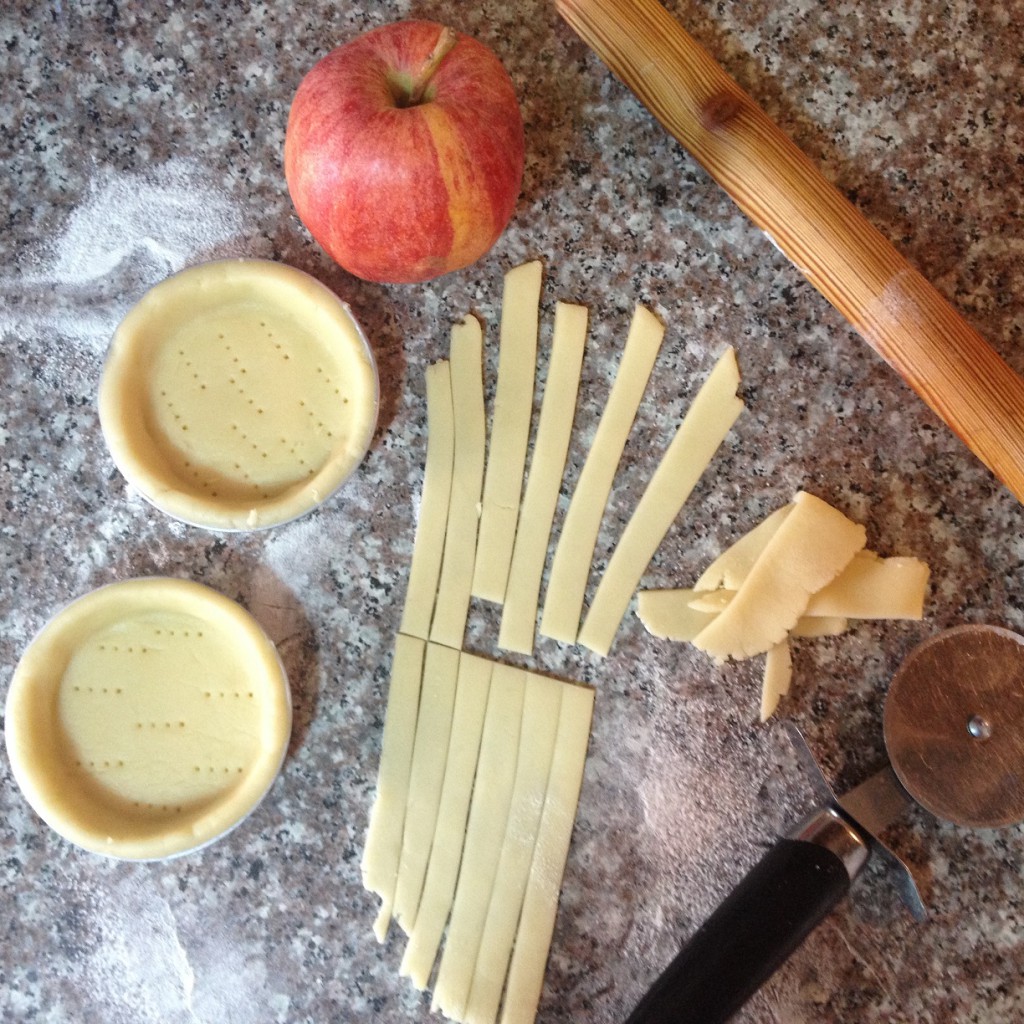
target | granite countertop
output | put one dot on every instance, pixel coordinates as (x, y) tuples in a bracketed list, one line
[(138, 141)]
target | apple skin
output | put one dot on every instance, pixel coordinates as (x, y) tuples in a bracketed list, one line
[(405, 193)]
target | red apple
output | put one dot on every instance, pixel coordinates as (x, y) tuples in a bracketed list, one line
[(404, 152)]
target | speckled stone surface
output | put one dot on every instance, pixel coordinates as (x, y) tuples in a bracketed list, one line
[(137, 141)]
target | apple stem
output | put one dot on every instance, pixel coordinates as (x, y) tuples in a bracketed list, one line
[(445, 41)]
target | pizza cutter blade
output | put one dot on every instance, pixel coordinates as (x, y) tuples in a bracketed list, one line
[(954, 731), (954, 726)]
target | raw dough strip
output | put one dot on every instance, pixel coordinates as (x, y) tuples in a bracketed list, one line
[(485, 836), (460, 546), (733, 565), (871, 587), (712, 601), (669, 614), (537, 921), (570, 568), (812, 546), (541, 712), (428, 546), (681, 614), (439, 888), (778, 675), (387, 818), (429, 758), (510, 430), (825, 625), (715, 409), (519, 616)]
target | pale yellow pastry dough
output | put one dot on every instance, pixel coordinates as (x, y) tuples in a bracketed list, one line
[(439, 887), (812, 546), (383, 848), (822, 625), (510, 746), (485, 837), (670, 615), (570, 567), (714, 410), (541, 710), (519, 614), (238, 394), (425, 571), (871, 587), (540, 903), (731, 567), (147, 718), (429, 757), (681, 614), (453, 595), (510, 429), (712, 601), (778, 675)]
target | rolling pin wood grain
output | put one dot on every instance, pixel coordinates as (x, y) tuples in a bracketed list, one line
[(847, 259)]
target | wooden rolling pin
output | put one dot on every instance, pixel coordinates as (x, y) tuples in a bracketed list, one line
[(847, 259)]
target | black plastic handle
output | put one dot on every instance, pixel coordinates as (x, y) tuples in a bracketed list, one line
[(791, 889)]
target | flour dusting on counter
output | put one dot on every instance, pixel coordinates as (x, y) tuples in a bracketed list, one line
[(148, 218), (143, 965), (130, 231), (135, 964)]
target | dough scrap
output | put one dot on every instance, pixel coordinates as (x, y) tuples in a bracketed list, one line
[(812, 546), (801, 572)]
